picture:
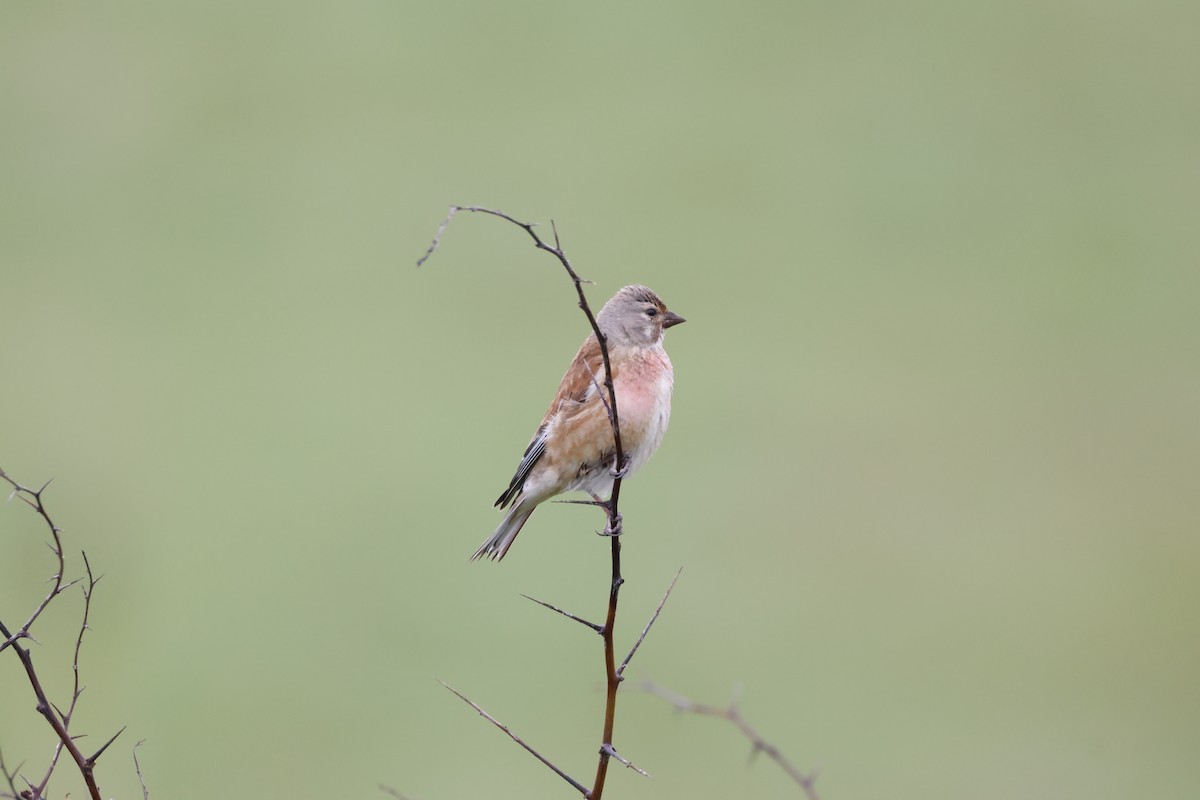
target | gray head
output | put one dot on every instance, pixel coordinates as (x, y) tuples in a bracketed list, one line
[(636, 317)]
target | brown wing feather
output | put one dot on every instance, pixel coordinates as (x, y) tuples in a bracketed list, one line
[(585, 374), (577, 393)]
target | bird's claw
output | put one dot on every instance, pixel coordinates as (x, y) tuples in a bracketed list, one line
[(614, 526)]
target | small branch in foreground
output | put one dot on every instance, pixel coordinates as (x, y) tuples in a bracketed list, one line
[(614, 524), (33, 499), (646, 630), (567, 614), (608, 749), (89, 586), (619, 462), (388, 790), (579, 787), (733, 714), (58, 720), (8, 777), (138, 769), (614, 675)]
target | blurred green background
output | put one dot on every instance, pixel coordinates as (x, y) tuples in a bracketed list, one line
[(932, 473)]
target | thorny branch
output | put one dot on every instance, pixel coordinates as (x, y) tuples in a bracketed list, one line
[(619, 462), (89, 586), (9, 776), (33, 498), (646, 630), (138, 769), (807, 782), (578, 786), (59, 720), (613, 676)]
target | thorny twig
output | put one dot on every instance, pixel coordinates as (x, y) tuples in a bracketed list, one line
[(138, 769), (89, 586), (33, 498), (613, 676), (9, 776), (807, 782), (578, 786), (646, 630), (58, 720)]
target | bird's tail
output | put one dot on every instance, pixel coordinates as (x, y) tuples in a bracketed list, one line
[(498, 543)]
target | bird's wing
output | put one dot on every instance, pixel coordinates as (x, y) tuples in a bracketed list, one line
[(584, 378), (578, 393), (532, 453)]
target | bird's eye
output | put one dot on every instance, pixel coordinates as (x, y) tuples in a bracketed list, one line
[(651, 312)]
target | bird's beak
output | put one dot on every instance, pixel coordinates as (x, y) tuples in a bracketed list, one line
[(671, 318)]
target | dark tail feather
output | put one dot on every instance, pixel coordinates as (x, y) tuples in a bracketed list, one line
[(498, 543)]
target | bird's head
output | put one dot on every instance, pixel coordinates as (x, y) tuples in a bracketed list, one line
[(636, 317)]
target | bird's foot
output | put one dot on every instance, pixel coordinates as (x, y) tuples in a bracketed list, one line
[(614, 526)]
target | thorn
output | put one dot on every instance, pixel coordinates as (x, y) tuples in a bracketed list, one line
[(646, 630), (100, 752), (567, 614), (579, 787), (608, 750), (755, 749)]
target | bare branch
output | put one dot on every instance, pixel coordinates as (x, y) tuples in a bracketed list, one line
[(578, 786), (437, 237), (612, 753), (9, 776), (807, 782), (558, 253), (566, 614), (58, 720), (646, 630), (138, 769), (383, 787), (33, 498), (88, 588), (613, 527)]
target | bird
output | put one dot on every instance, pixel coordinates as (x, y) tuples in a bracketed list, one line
[(573, 447)]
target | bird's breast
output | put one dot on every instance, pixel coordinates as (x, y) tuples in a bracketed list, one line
[(644, 384)]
